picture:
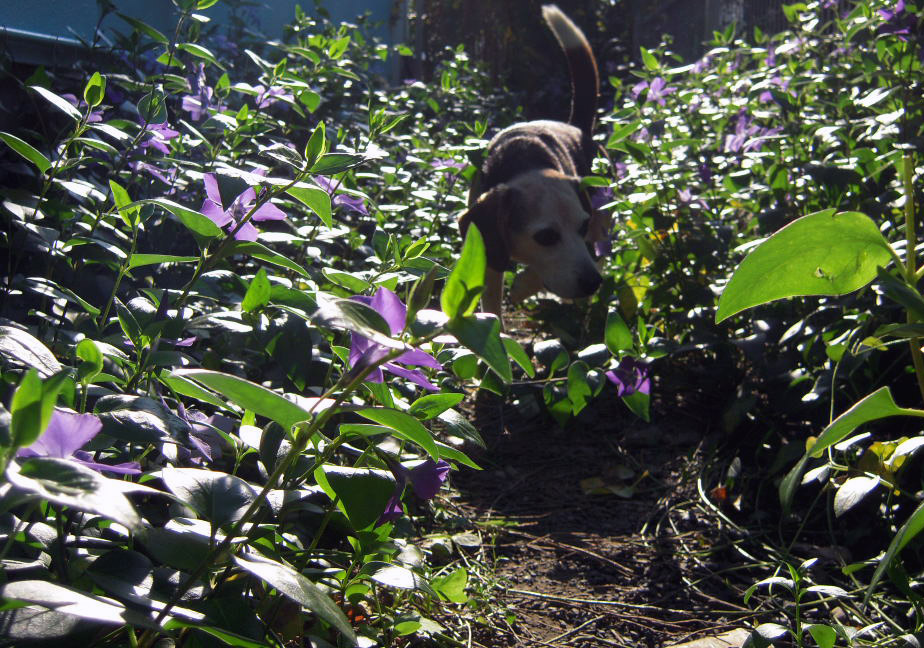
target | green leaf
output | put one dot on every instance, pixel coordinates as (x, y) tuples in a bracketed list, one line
[(21, 351), (95, 90), (404, 426), (481, 334), (432, 405), (65, 600), (347, 280), (291, 583), (228, 637), (518, 354), (314, 149), (466, 281), (152, 107), (199, 52), (316, 199), (649, 60), (902, 293), (396, 576), (91, 360), (139, 260), (640, 404), (820, 254), (122, 202), (909, 530), (194, 221), (217, 497), (260, 251), (338, 47), (334, 163), (622, 132), (618, 336), (258, 293), (27, 151), (875, 406), (824, 635), (60, 103), (248, 395), (26, 410), (67, 483), (361, 493), (144, 28), (452, 586), (355, 316), (579, 391)]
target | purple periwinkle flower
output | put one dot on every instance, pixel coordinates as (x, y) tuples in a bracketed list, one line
[(81, 105), (657, 90), (160, 134), (630, 376), (747, 136), (425, 478), (352, 203), (897, 22), (448, 163), (199, 101), (267, 97), (364, 351), (66, 433), (241, 206)]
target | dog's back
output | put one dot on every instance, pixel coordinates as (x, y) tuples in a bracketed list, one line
[(546, 144)]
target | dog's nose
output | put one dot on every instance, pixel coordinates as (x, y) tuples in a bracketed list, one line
[(589, 282)]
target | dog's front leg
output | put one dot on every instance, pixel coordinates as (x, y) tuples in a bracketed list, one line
[(526, 284), (493, 296)]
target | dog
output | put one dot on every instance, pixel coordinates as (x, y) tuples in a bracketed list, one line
[(527, 201)]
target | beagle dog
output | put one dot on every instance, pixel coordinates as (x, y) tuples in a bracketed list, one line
[(527, 201)]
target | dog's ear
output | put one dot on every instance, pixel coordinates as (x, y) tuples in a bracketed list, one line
[(491, 214)]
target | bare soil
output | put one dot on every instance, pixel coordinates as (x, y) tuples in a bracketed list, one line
[(606, 533)]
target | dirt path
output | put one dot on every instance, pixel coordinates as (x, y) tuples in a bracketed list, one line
[(586, 566)]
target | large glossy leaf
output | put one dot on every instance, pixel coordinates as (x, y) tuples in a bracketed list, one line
[(481, 334), (361, 493), (466, 281), (71, 601), (248, 395), (67, 483), (217, 497), (877, 405), (404, 425), (20, 350), (315, 198), (27, 151), (260, 251), (294, 585), (909, 530), (819, 254), (139, 419), (196, 222)]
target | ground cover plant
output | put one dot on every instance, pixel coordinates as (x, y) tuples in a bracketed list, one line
[(238, 325)]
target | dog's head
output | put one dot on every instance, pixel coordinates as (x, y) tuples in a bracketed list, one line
[(541, 219)]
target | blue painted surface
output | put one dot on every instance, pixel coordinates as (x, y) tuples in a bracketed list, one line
[(78, 18)]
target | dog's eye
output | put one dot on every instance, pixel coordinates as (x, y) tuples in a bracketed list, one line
[(546, 237)]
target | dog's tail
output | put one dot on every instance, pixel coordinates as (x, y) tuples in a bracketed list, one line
[(585, 81)]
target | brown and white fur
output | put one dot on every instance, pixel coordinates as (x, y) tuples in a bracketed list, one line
[(527, 201)]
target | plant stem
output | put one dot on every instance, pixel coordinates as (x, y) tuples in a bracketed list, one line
[(911, 262)]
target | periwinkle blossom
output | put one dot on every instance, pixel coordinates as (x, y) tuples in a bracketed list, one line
[(657, 90), (364, 352), (96, 116), (66, 434), (160, 134), (168, 176), (448, 163), (230, 218), (199, 101), (425, 479), (630, 376), (776, 81), (747, 136), (352, 203), (267, 97), (898, 22)]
